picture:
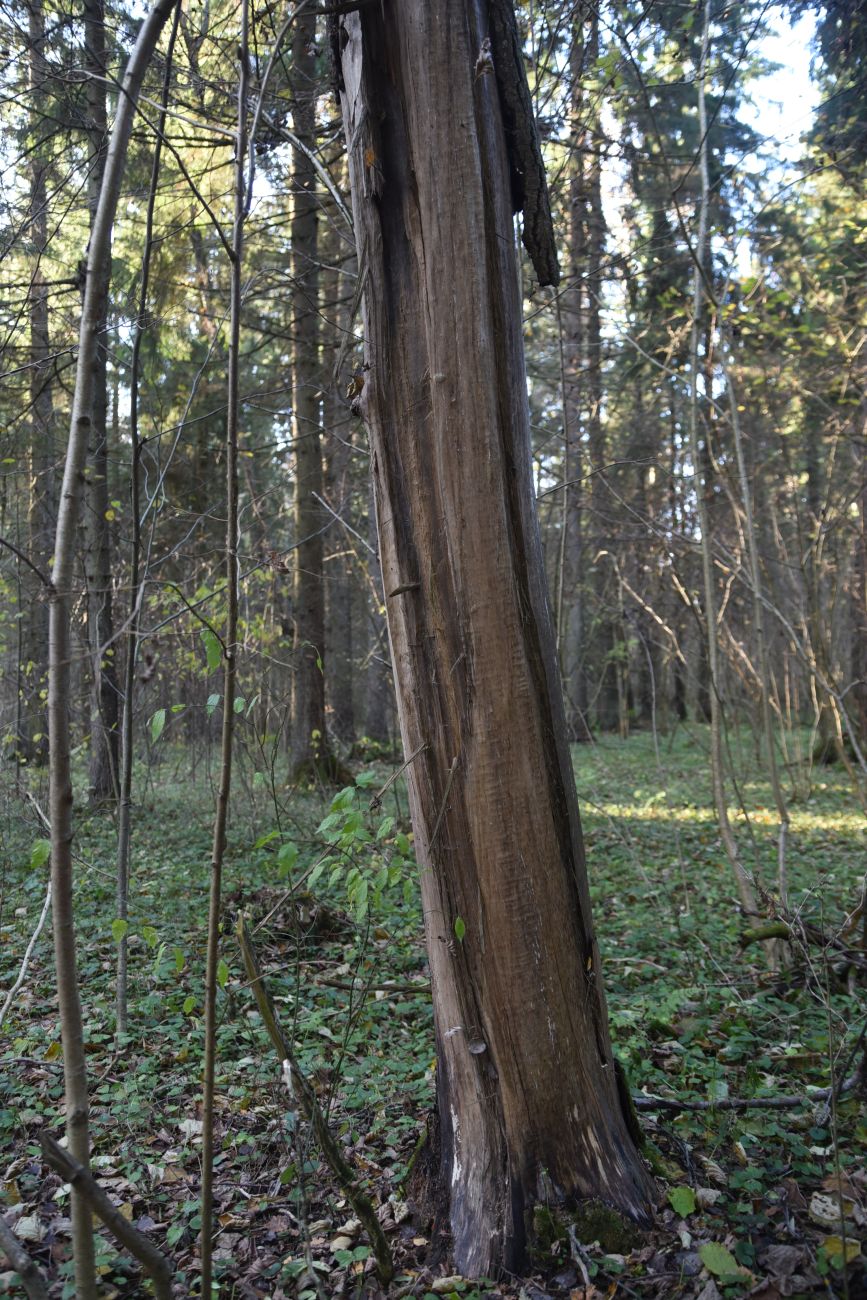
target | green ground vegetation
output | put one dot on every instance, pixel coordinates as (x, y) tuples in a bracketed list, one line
[(748, 1197)]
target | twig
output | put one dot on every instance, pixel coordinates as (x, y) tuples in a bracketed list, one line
[(152, 1260), (306, 1098), (347, 526), (28, 953), (834, 1094), (293, 889), (30, 1060), (39, 813), (807, 934), (260, 98), (375, 988), (643, 1102), (377, 798), (451, 777), (25, 559), (32, 1277)]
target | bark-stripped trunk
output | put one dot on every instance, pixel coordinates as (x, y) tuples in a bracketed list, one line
[(97, 551), (528, 1101), (42, 506)]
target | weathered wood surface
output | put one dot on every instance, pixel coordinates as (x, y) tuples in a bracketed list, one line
[(526, 1082)]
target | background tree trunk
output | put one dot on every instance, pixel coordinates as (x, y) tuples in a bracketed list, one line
[(42, 505), (528, 1103), (97, 549), (308, 740), (339, 455), (571, 610)]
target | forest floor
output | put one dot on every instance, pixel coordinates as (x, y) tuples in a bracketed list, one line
[(766, 1202)]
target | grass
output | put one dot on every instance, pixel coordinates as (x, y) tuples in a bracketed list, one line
[(693, 1016)]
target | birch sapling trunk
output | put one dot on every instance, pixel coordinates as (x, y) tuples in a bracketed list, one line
[(439, 129), (60, 644)]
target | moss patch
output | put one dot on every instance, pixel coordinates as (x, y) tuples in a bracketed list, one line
[(594, 1221), (590, 1221)]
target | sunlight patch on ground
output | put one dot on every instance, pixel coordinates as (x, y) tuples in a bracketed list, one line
[(808, 821)]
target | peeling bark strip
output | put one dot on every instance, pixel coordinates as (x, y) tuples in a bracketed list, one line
[(527, 1094), (529, 184)]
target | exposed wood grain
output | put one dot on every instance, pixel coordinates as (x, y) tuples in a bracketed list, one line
[(527, 1094)]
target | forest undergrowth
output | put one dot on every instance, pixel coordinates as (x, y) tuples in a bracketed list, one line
[(766, 1202)]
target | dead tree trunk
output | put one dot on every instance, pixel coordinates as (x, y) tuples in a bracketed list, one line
[(436, 108)]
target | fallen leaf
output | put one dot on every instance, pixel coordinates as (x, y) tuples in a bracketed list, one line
[(825, 1210), (793, 1194), (29, 1228), (767, 1290), (713, 1171), (782, 1261), (682, 1201), (837, 1249), (719, 1260)]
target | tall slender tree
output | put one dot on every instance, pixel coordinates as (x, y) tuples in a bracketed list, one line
[(309, 750), (60, 646), (104, 711), (42, 451)]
